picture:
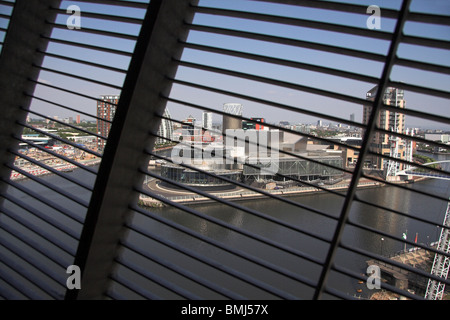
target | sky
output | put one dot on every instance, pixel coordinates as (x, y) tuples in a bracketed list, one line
[(292, 97)]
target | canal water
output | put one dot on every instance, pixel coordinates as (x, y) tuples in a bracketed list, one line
[(309, 243), (404, 201)]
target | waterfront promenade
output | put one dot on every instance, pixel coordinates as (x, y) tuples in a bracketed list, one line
[(238, 193), (401, 278)]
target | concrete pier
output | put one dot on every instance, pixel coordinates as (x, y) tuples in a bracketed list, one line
[(418, 258), (239, 193)]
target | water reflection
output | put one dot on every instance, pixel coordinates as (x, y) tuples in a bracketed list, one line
[(290, 267)]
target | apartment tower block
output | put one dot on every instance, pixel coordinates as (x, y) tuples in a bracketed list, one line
[(388, 120)]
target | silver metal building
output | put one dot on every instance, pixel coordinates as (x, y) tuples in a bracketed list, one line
[(230, 122)]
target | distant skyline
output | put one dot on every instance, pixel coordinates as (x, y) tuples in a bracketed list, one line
[(295, 98), (218, 119)]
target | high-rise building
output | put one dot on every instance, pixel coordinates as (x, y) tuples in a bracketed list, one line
[(207, 120), (165, 129), (389, 120), (188, 128), (106, 109), (230, 122)]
